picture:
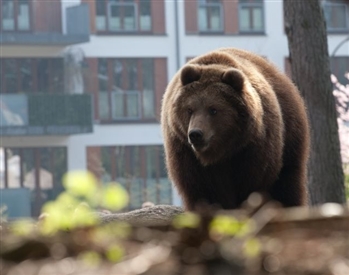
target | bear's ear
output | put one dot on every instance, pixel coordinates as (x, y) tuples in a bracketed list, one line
[(234, 78), (190, 74)]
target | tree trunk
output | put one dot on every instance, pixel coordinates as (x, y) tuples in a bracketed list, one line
[(307, 40)]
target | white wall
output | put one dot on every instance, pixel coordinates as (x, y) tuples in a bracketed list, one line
[(65, 5)]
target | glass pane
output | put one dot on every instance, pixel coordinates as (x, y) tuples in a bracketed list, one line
[(103, 99), (136, 192), (214, 18), (120, 161), (145, 15), (148, 88), (117, 71), (152, 190), (45, 173), (135, 163), (258, 19), (336, 16), (103, 74), (202, 19), (10, 75), (101, 15), (59, 168), (57, 77), (43, 75), (132, 104), (132, 70), (23, 19), (244, 19), (106, 163), (114, 18), (129, 18), (13, 168), (118, 111), (165, 191), (13, 110), (26, 71), (162, 169), (29, 168), (151, 175), (8, 20), (103, 105)]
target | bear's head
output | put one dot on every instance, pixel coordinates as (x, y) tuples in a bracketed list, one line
[(215, 111)]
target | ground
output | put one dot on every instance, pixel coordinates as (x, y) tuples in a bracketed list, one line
[(294, 241)]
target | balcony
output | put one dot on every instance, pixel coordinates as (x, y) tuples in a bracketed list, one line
[(40, 23), (45, 114)]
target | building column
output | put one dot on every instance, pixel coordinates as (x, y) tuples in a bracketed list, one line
[(76, 156)]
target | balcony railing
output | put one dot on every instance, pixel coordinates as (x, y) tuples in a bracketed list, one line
[(45, 114)]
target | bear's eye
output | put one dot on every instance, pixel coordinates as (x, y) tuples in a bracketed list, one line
[(190, 111), (212, 111)]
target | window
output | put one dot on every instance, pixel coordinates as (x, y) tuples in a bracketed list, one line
[(32, 75), (336, 14), (140, 169), (251, 16), (38, 169), (210, 16), (126, 89), (123, 15), (15, 15)]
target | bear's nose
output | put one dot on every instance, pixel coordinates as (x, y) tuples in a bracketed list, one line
[(196, 136)]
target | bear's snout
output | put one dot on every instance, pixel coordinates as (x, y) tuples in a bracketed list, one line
[(196, 136)]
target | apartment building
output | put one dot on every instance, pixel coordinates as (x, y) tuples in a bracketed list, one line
[(82, 82)]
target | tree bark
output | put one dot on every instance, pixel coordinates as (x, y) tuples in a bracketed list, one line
[(307, 39)]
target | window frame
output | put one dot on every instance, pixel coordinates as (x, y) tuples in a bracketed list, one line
[(120, 165), (18, 61), (207, 4), (251, 5), (107, 12), (110, 82), (35, 156), (331, 4), (16, 4)]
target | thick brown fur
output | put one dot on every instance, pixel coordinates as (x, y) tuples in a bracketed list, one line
[(253, 131)]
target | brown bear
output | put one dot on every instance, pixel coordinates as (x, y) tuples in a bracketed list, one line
[(233, 124)]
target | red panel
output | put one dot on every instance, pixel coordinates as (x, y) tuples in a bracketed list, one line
[(160, 81), (191, 16), (94, 162), (231, 16), (158, 16), (47, 16)]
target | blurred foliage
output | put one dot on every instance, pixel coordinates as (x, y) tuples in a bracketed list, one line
[(70, 232), (75, 209), (186, 220)]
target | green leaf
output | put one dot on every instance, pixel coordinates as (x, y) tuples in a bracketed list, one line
[(224, 225), (114, 197), (252, 248), (186, 220), (22, 227), (114, 253), (80, 183), (90, 258)]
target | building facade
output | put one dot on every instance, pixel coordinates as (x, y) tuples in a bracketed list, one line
[(82, 82)]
